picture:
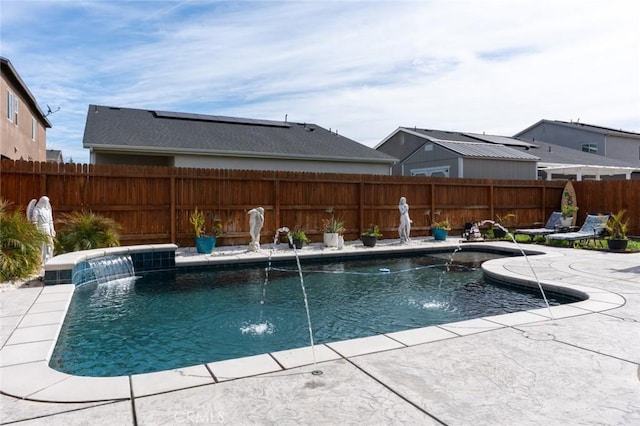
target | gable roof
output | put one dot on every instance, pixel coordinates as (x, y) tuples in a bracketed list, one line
[(54, 156), (607, 131), (128, 129), (12, 75), (470, 145)]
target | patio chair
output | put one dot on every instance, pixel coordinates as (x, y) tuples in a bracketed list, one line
[(552, 226), (592, 228)]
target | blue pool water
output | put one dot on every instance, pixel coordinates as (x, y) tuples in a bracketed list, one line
[(167, 320)]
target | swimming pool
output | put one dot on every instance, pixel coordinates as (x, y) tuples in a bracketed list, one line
[(162, 321)]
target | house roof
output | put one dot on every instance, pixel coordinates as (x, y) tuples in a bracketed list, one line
[(146, 131), (12, 75), (485, 150), (468, 144), (552, 153), (586, 127), (558, 159), (54, 155)]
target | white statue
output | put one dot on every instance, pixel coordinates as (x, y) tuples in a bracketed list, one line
[(404, 230), (30, 208), (256, 220), (42, 216)]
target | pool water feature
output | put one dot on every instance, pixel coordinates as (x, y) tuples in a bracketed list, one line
[(167, 320), (104, 269)]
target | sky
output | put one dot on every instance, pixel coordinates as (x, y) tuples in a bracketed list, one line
[(363, 68)]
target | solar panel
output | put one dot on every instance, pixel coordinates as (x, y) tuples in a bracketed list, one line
[(219, 119)]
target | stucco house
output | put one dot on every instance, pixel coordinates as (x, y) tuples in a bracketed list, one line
[(23, 125), (117, 135), (611, 143), (425, 152)]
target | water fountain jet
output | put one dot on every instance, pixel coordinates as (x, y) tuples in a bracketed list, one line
[(544, 296)]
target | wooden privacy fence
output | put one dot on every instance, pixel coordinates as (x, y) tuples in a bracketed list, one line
[(153, 204)]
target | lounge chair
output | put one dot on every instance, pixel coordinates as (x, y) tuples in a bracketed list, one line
[(592, 228), (552, 226)]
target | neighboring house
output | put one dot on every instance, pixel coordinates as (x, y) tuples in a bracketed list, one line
[(54, 156), (424, 152), (559, 162), (411, 146), (607, 142), (148, 137), (23, 125)]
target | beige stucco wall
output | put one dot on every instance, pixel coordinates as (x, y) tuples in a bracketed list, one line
[(292, 165), (16, 142), (242, 163)]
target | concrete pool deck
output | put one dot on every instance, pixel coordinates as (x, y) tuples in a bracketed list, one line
[(582, 367)]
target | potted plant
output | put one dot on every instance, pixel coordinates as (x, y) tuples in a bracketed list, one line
[(299, 238), (440, 229), (504, 221), (332, 229), (204, 244), (567, 215), (370, 236), (616, 228)]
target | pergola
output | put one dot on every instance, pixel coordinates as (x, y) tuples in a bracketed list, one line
[(582, 170)]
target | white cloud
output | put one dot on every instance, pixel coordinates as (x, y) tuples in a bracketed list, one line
[(362, 67)]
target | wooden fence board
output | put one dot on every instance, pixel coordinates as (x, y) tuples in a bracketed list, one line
[(153, 204)]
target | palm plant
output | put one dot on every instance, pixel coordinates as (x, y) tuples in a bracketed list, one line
[(617, 225), (20, 244), (86, 230)]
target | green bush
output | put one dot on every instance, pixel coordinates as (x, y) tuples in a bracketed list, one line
[(85, 231), (20, 244)]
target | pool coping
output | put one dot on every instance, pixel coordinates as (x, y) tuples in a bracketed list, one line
[(24, 359)]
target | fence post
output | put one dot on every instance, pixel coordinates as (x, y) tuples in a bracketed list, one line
[(361, 208), (276, 203), (172, 208)]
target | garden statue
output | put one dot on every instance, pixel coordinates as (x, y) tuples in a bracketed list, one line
[(30, 208), (256, 220), (42, 215), (405, 222)]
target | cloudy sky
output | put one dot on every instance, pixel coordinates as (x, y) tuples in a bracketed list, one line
[(361, 67)]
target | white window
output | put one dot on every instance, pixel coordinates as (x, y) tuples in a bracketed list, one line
[(590, 147), (442, 171), (10, 105), (34, 128), (16, 108)]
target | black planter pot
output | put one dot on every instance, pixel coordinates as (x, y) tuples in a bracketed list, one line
[(617, 245), (499, 233), (298, 243), (368, 240)]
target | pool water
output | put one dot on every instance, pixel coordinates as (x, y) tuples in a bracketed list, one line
[(167, 320)]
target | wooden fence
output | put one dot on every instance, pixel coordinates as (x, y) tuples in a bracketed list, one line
[(153, 204)]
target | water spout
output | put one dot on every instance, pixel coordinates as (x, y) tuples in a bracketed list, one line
[(544, 296), (103, 269), (286, 230), (306, 306)]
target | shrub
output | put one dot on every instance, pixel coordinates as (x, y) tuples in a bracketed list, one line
[(85, 231), (20, 244)]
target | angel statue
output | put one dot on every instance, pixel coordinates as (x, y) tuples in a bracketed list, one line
[(42, 216)]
